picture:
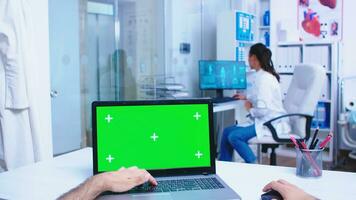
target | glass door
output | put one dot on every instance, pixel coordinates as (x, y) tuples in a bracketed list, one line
[(100, 50), (65, 75)]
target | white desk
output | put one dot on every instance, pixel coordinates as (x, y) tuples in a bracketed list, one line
[(50, 179), (220, 107), (240, 116), (237, 106)]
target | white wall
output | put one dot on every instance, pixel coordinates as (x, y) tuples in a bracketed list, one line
[(194, 22), (183, 24), (211, 10), (348, 64), (286, 17)]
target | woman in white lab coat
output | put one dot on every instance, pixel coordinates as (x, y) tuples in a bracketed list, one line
[(263, 102)]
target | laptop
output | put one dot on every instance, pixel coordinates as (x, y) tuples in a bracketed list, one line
[(172, 139)]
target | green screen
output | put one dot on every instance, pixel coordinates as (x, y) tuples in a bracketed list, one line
[(153, 136)]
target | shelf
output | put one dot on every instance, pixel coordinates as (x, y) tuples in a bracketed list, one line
[(264, 27), (285, 73), (245, 42), (322, 129), (298, 43), (291, 73), (325, 100)]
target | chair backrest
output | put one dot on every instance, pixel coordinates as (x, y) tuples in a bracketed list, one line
[(303, 94)]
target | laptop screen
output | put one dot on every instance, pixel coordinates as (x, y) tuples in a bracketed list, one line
[(152, 137)]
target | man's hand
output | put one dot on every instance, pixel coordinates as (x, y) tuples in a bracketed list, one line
[(288, 191), (248, 105), (117, 181), (239, 96), (126, 179)]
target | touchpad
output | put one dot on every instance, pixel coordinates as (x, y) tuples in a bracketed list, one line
[(161, 196)]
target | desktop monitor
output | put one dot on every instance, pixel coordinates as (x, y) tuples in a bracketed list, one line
[(222, 75)]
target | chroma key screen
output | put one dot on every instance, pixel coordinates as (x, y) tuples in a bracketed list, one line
[(153, 136)]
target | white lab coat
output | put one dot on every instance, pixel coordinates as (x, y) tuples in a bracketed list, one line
[(266, 98), (23, 142)]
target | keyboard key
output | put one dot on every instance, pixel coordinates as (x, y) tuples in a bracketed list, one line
[(180, 185)]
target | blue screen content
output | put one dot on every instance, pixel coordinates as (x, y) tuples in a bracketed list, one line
[(222, 75)]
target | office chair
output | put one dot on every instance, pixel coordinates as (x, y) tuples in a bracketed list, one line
[(300, 102)]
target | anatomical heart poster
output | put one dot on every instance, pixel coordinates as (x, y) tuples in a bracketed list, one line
[(320, 20)]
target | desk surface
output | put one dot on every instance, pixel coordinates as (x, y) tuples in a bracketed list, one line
[(231, 105), (49, 179)]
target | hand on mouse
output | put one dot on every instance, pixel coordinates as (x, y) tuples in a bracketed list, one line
[(288, 191), (239, 96)]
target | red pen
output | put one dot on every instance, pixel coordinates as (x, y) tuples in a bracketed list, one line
[(303, 145), (326, 141), (294, 141)]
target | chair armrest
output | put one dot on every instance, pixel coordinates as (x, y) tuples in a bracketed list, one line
[(282, 140)]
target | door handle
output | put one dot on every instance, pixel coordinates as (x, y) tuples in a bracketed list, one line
[(54, 93)]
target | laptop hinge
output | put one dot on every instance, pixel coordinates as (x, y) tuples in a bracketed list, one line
[(205, 173)]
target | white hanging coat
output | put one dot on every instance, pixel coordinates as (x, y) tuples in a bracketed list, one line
[(266, 98), (22, 142)]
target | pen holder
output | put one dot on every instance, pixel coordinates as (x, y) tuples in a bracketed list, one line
[(309, 162)]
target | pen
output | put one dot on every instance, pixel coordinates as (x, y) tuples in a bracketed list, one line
[(325, 142), (314, 144), (294, 141), (314, 137), (300, 145), (303, 145)]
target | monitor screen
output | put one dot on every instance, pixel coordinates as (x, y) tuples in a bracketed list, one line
[(222, 75), (152, 137)]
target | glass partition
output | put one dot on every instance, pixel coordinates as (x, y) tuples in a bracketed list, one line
[(111, 50)]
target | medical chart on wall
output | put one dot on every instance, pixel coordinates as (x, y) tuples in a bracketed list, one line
[(320, 19)]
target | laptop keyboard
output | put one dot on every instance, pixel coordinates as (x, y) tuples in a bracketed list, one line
[(180, 185)]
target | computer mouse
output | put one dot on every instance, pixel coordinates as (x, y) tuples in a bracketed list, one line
[(272, 194)]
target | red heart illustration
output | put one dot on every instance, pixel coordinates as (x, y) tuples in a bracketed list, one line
[(311, 23), (329, 3), (312, 27)]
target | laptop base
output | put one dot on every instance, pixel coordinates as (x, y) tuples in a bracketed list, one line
[(225, 193)]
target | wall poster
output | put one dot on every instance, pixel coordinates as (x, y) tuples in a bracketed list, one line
[(320, 20)]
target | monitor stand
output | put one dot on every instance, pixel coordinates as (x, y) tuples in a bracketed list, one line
[(220, 97), (219, 94)]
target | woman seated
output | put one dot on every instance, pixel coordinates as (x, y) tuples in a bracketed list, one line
[(263, 103)]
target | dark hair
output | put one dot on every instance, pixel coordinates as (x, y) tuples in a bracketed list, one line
[(264, 56)]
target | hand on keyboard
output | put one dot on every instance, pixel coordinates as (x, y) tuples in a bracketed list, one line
[(180, 185)]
